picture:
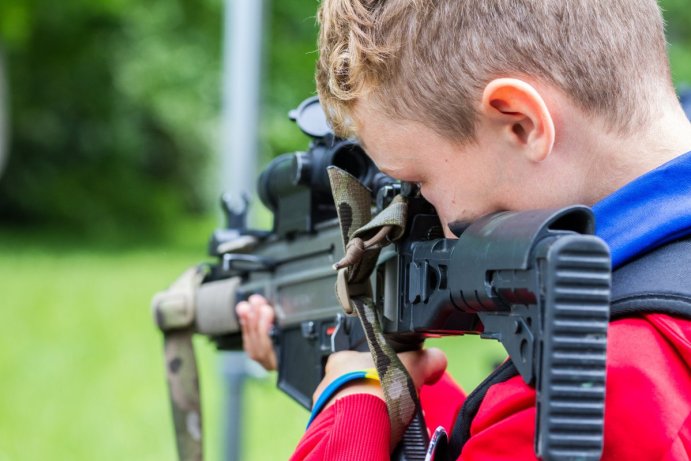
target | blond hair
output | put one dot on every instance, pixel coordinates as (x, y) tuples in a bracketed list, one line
[(429, 60)]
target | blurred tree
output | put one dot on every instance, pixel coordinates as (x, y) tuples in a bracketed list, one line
[(291, 45), (678, 17), (113, 104)]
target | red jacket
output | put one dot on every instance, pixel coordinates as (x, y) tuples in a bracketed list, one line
[(647, 408)]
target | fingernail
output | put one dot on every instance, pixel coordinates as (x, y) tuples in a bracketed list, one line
[(255, 298)]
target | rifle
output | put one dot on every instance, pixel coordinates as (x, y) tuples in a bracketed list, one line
[(537, 281)]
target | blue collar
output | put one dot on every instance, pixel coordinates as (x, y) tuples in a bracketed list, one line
[(648, 212)]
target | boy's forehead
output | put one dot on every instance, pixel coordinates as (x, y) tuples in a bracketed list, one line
[(370, 125), (394, 144)]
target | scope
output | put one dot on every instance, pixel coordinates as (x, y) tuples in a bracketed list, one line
[(295, 186)]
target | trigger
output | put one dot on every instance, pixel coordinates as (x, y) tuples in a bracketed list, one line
[(340, 337)]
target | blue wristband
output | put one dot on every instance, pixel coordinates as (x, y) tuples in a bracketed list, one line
[(336, 385)]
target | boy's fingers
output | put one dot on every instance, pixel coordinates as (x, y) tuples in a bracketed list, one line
[(241, 309), (256, 317), (435, 365), (425, 366), (266, 317), (257, 300)]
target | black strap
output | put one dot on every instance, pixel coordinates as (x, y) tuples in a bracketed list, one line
[(657, 282), (461, 428)]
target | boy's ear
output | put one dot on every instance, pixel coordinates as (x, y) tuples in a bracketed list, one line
[(521, 115)]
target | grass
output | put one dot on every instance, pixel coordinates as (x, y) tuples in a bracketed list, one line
[(81, 360)]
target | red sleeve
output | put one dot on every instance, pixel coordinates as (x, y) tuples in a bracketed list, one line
[(357, 426), (354, 427), (648, 399)]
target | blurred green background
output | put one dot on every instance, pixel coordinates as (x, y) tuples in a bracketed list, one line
[(108, 194)]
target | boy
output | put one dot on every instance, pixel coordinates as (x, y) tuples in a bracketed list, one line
[(513, 105)]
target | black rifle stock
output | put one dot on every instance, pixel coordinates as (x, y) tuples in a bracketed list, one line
[(538, 281)]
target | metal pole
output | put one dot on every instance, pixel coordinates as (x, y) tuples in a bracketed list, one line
[(234, 376), (242, 58)]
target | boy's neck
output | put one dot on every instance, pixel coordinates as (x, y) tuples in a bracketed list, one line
[(611, 161)]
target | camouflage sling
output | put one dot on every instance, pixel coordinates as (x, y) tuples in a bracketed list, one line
[(363, 239), (175, 314)]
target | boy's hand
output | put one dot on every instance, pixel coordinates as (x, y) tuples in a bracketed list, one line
[(256, 319), (425, 367), (257, 316)]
